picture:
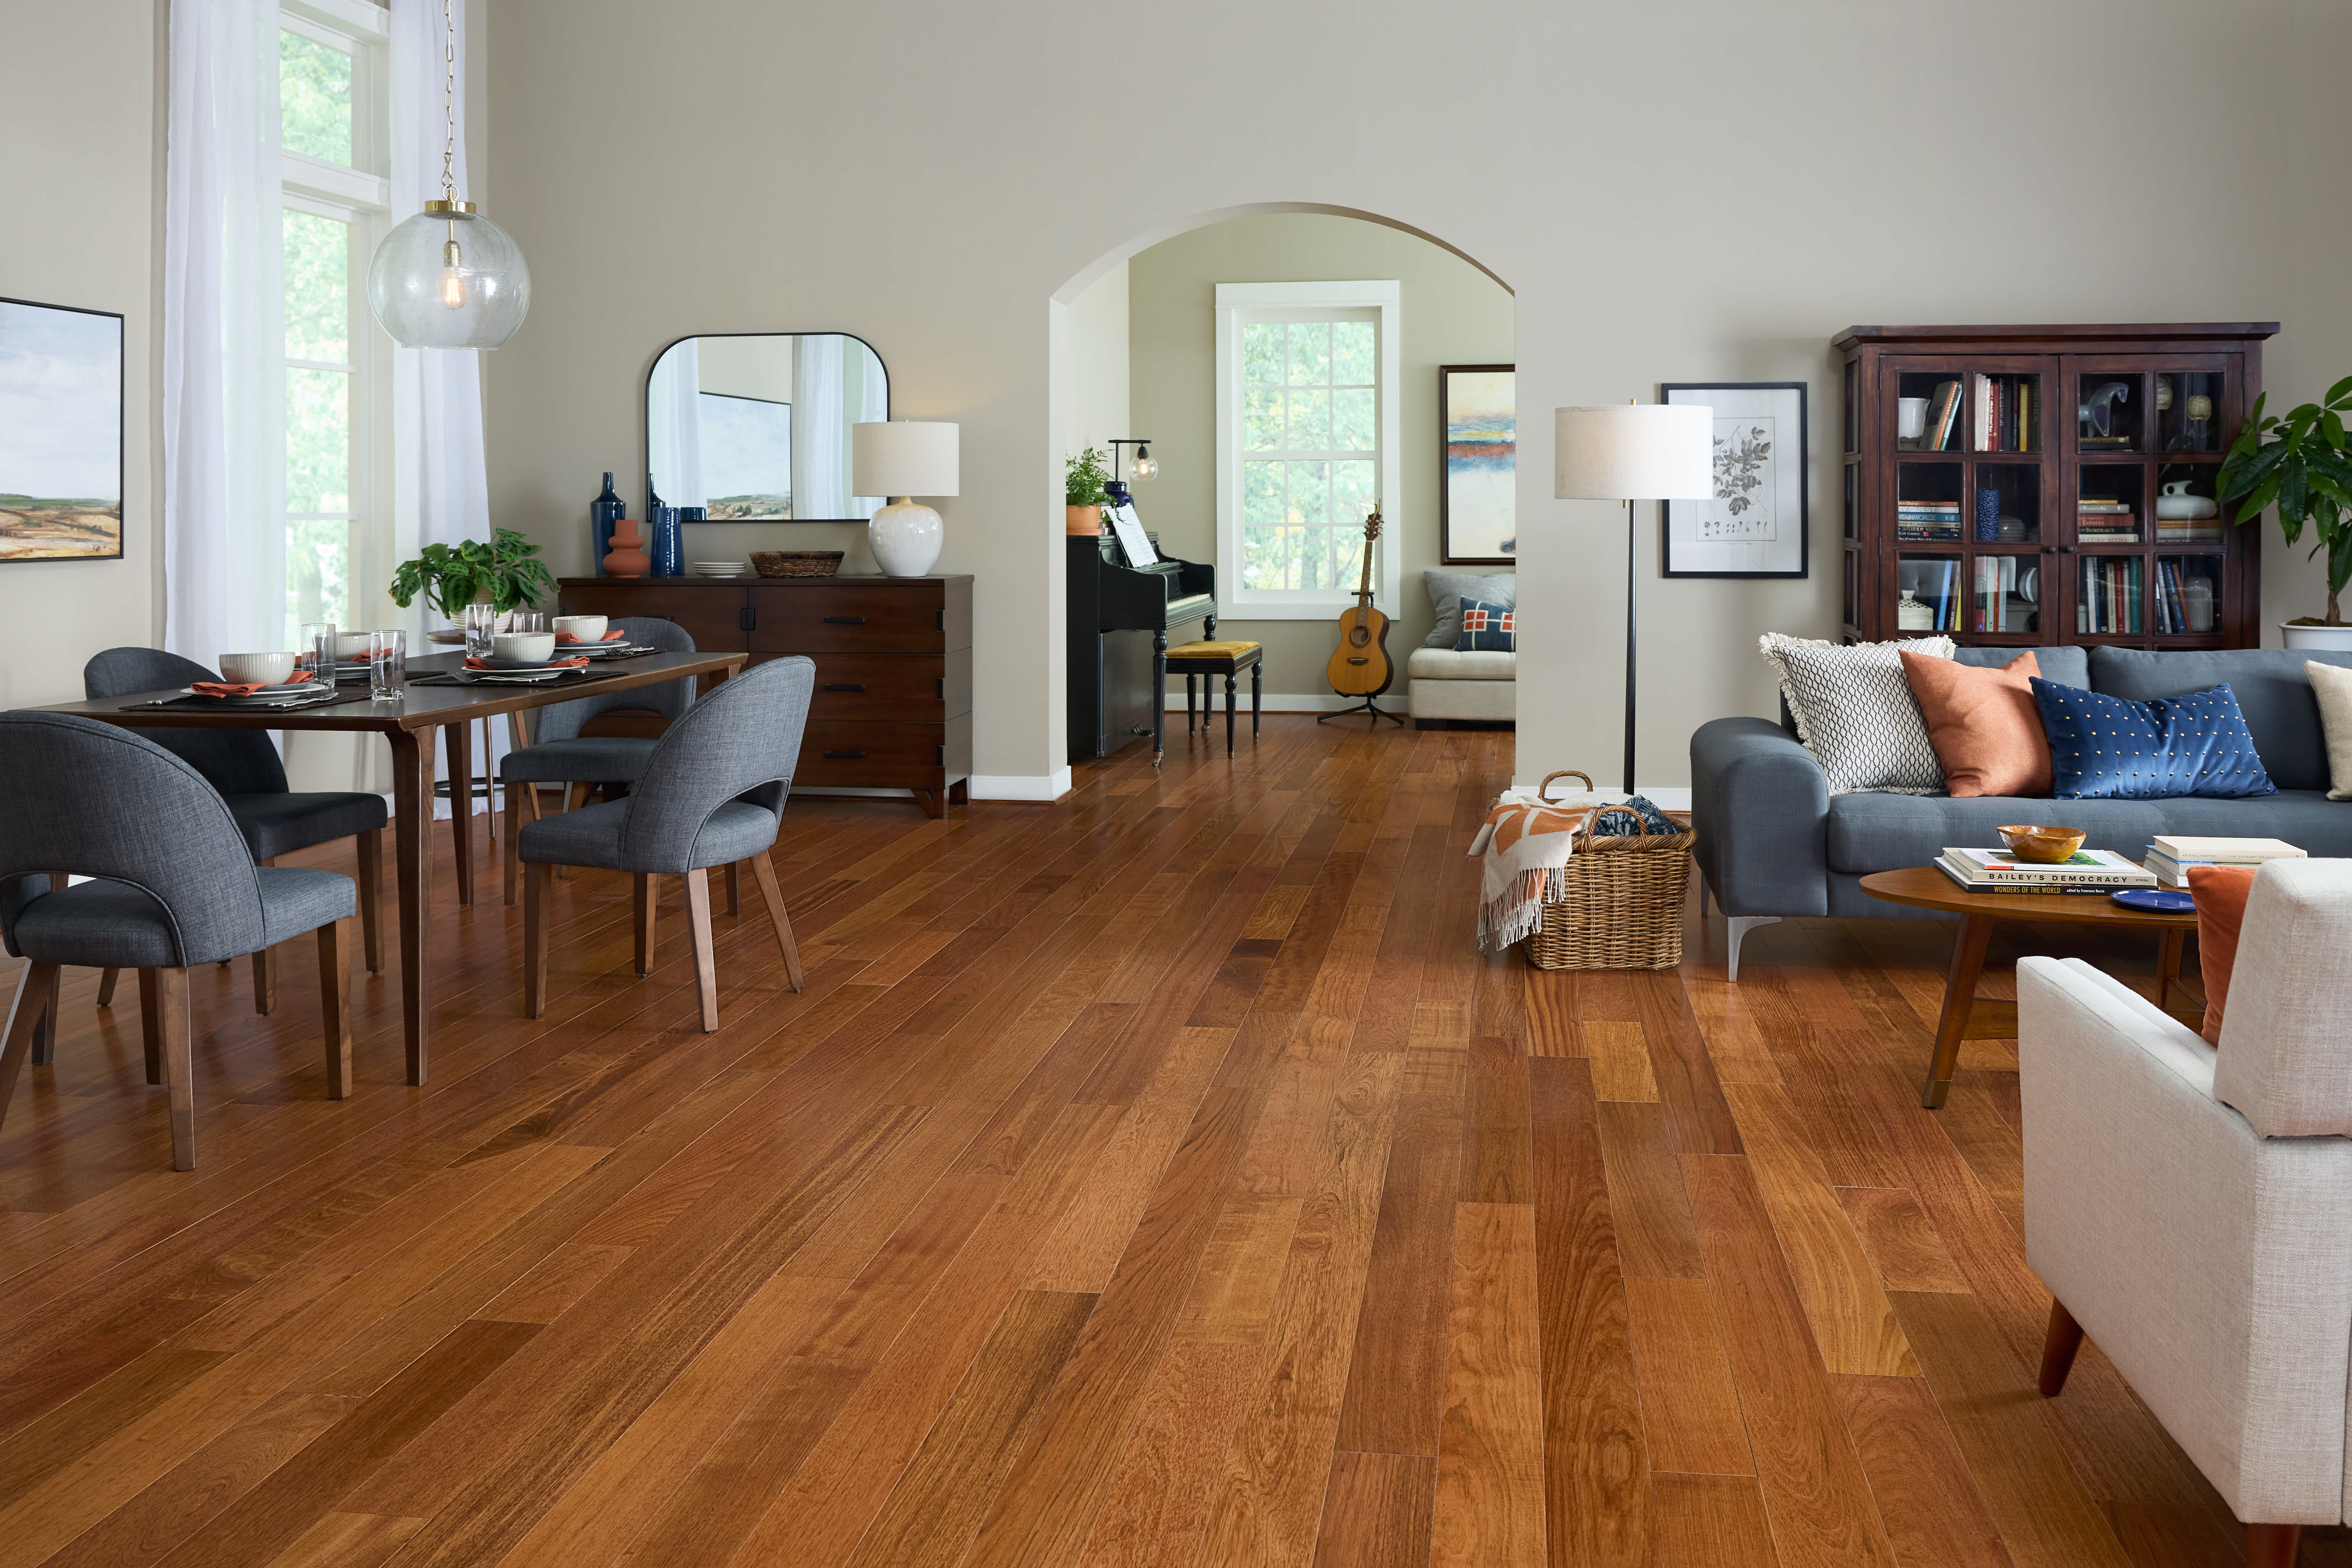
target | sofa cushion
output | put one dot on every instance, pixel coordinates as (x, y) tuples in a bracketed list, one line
[(1448, 589), (1983, 724), (2220, 893), (1856, 711), (1880, 832), (1454, 664), (2333, 688), (2066, 666), (1487, 629), (2112, 748), (2273, 692)]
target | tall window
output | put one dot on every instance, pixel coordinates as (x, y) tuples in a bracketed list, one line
[(1308, 442), (337, 372)]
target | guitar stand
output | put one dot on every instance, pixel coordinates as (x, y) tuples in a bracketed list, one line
[(1366, 706)]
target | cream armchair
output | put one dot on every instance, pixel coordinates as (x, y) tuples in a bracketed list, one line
[(2192, 1211)]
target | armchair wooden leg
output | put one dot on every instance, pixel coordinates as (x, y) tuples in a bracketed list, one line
[(510, 855), (534, 938), (179, 1069), (371, 878), (647, 888), (44, 1021), (265, 984), (765, 873), (698, 929), (24, 1017), (734, 889), (106, 987), (2273, 1545), (150, 1025), (2058, 1350), (335, 1005)]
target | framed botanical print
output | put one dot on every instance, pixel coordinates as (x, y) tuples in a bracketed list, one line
[(1757, 525), (60, 433), (1477, 432)]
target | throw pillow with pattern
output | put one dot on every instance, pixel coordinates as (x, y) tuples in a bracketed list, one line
[(1487, 629), (1856, 711), (2112, 748)]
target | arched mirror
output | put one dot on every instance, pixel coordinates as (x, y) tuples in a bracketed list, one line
[(755, 427)]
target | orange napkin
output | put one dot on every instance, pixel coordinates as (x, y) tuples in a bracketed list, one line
[(614, 635), (472, 663), (227, 688)]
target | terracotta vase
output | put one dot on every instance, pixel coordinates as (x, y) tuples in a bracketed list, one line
[(628, 558), (1082, 519)]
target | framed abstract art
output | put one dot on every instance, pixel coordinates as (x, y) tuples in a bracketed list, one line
[(60, 433), (1478, 501), (1757, 525)]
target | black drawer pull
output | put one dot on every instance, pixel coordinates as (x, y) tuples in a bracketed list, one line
[(845, 756), (845, 620), (843, 686), (746, 619)]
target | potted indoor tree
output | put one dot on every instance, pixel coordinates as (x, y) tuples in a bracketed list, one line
[(1083, 494), (2298, 463), (507, 573)]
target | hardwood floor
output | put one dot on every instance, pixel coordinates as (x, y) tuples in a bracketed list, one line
[(1158, 1178)]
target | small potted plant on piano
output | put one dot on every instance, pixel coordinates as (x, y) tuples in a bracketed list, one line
[(1083, 493)]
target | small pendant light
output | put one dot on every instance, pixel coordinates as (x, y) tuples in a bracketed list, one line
[(448, 277)]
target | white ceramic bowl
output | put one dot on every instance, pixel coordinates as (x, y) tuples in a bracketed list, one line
[(268, 668), (524, 647), (587, 628), (351, 645)]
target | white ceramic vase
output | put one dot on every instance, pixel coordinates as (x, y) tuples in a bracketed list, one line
[(2319, 639), (906, 537)]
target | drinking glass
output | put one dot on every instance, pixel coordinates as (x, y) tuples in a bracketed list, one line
[(526, 621), (317, 649), (481, 627), (387, 664)]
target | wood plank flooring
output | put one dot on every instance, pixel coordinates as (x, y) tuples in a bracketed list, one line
[(1157, 1179)]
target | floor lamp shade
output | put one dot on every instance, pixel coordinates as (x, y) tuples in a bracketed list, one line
[(1633, 451), (905, 458)]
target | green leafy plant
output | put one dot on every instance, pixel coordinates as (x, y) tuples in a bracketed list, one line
[(508, 568), (1088, 473), (2298, 463)]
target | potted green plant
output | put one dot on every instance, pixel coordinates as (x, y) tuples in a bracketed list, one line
[(507, 571), (1083, 494), (2298, 463)]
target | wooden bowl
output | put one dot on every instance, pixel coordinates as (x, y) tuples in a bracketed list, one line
[(797, 563), (2042, 845)]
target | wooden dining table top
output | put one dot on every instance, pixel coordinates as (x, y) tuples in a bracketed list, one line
[(419, 707)]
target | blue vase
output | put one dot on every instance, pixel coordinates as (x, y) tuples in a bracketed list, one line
[(669, 546), (1988, 516), (602, 512)]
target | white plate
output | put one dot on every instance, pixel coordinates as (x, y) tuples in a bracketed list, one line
[(277, 693)]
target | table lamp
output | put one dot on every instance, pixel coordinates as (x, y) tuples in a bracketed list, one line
[(904, 459), (1630, 452)]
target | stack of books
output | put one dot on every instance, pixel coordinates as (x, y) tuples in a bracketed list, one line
[(1927, 520), (2170, 855), (2004, 420), (1943, 419), (2102, 520), (1997, 871), (2189, 531)]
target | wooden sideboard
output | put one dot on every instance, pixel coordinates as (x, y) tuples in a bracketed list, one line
[(893, 703)]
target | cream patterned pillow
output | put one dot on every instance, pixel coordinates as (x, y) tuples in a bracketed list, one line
[(1855, 713), (2333, 687)]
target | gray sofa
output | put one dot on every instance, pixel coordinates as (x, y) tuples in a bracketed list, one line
[(1773, 842)]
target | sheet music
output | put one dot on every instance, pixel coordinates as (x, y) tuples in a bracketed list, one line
[(1131, 537)]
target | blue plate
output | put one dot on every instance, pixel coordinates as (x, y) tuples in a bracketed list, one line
[(2161, 900)]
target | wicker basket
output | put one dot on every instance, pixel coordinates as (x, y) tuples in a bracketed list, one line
[(1625, 903), (797, 563)]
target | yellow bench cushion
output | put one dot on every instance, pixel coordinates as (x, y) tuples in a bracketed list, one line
[(1210, 649)]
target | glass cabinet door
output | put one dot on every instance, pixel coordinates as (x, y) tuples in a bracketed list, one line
[(1972, 496)]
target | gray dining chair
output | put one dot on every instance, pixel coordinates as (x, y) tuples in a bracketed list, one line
[(558, 753), (711, 794), (174, 886), (242, 764)]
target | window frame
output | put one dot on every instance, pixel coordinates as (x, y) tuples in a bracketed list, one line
[(1240, 305)]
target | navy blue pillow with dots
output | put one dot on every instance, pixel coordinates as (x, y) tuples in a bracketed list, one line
[(2110, 748), (1487, 629)]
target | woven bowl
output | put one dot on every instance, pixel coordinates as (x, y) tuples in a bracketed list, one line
[(797, 563), (2042, 845)]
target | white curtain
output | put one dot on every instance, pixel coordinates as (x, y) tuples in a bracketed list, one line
[(820, 454), (870, 401), (224, 335), (674, 431)]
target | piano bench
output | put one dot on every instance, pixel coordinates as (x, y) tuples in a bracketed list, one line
[(1207, 661)]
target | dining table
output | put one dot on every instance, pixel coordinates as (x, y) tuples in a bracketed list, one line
[(430, 700)]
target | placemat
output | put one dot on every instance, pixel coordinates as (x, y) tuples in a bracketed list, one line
[(221, 705), (582, 678)]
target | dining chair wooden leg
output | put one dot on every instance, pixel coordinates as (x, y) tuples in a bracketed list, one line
[(534, 938), (179, 1068), (512, 857), (734, 887), (765, 875), (371, 879), (150, 1025), (335, 1005), (461, 749), (697, 930), (106, 987), (265, 984), (575, 796), (489, 786), (24, 1017), (45, 1025), (646, 890)]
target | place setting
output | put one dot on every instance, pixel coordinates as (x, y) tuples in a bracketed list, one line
[(271, 681), (524, 655)]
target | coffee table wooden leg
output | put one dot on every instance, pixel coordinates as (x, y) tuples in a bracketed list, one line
[(2169, 947), (1960, 996), (412, 841)]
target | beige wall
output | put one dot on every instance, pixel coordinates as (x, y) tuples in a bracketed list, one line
[(1453, 314), (81, 164)]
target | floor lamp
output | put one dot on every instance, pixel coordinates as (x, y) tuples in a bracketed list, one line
[(1630, 452)]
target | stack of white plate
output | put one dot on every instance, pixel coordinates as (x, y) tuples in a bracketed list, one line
[(723, 568)]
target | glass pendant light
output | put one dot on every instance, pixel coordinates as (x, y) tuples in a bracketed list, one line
[(448, 277), (1145, 467)]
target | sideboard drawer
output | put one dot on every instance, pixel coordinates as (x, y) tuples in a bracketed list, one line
[(712, 617), (885, 757), (890, 687), (849, 618)]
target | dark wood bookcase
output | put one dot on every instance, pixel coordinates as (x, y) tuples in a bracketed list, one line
[(2067, 438)]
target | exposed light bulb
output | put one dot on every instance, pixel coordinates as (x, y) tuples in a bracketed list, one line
[(453, 277), (1144, 467)]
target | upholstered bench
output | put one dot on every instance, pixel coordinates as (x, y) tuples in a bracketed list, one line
[(1209, 660), (1448, 686)]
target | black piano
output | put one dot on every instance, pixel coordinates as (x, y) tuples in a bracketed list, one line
[(1120, 621)]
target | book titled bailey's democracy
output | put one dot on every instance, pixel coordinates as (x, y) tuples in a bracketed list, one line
[(1970, 882), (2102, 868)]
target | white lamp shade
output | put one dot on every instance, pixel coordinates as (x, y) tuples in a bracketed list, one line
[(903, 457), (1631, 451)]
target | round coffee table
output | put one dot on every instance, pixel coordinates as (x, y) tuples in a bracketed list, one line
[(1968, 1017)]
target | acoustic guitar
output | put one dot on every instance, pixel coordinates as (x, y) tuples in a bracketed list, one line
[(1360, 668)]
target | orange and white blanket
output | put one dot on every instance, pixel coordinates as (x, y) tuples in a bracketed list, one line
[(1525, 843)]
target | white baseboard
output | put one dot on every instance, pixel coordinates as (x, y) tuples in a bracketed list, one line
[(1021, 787), (1296, 702)]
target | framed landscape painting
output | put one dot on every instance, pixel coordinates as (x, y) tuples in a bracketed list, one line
[(1477, 498), (1756, 526), (60, 433)]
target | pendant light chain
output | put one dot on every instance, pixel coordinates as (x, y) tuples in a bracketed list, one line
[(448, 100)]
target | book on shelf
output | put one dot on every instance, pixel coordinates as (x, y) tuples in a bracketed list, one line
[(2003, 413), (2104, 866), (2100, 503), (1943, 414), (2111, 595), (1971, 883), (2102, 443)]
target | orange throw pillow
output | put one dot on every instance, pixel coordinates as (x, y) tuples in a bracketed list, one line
[(2221, 894), (1983, 723)]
